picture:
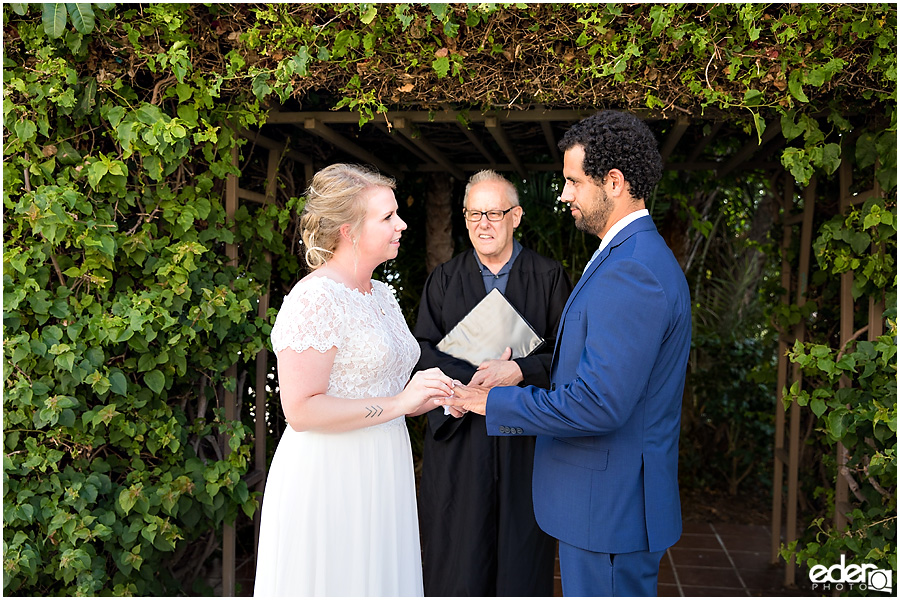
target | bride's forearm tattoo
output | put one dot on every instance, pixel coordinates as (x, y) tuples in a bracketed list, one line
[(374, 411)]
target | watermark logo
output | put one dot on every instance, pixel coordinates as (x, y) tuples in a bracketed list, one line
[(842, 577)]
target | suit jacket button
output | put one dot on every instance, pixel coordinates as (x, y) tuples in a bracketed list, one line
[(519, 430), (504, 429)]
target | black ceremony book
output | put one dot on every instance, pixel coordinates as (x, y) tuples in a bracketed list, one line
[(488, 329)]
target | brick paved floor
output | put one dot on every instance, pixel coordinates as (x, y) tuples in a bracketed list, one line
[(720, 559), (710, 559)]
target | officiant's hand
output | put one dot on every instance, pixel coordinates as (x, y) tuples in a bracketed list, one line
[(502, 371), (466, 398)]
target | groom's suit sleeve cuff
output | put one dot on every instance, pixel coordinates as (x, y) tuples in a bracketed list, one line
[(497, 402)]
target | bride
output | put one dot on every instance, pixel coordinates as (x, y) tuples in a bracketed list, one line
[(339, 509)]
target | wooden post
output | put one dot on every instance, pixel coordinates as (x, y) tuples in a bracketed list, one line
[(438, 220), (841, 486), (262, 364), (228, 531), (793, 476), (781, 458)]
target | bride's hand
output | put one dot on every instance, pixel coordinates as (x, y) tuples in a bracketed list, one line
[(423, 387)]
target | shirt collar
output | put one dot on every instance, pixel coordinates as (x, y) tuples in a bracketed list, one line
[(517, 248), (620, 225)]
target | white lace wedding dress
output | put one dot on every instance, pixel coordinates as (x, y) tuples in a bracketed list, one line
[(339, 509)]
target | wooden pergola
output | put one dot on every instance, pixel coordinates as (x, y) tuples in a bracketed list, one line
[(458, 143)]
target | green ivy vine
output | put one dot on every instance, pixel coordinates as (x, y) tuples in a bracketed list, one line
[(852, 391), (121, 310)]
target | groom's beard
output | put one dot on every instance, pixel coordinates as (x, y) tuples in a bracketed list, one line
[(594, 221)]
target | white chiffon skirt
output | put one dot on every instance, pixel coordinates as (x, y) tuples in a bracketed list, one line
[(339, 516)]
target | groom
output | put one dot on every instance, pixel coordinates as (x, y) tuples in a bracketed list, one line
[(606, 460)]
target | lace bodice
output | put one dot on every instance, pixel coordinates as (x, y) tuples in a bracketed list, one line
[(375, 350)]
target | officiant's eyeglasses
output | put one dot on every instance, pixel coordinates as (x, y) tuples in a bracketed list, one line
[(492, 215)]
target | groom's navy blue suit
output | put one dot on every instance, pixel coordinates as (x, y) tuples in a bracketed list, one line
[(606, 459)]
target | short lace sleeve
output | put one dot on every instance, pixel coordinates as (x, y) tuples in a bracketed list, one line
[(309, 318)]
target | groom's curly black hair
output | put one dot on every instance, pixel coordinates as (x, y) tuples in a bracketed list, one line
[(617, 140)]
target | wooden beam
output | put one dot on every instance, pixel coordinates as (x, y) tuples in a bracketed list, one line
[(404, 127), (400, 139), (252, 196), (478, 145), (772, 129), (675, 135), (698, 150), (328, 134), (551, 142), (270, 144), (472, 167), (499, 167), (446, 116), (496, 129)]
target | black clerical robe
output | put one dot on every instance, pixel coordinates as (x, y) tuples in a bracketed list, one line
[(476, 516)]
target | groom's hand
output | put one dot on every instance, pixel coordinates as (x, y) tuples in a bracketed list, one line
[(468, 398)]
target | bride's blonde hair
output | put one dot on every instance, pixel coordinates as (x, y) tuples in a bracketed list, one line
[(335, 198)]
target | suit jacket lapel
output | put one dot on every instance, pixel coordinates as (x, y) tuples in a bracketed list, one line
[(641, 224)]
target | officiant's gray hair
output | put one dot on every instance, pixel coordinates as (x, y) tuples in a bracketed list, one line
[(334, 198), (492, 176)]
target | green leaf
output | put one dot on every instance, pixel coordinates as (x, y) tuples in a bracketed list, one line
[(789, 128), (753, 97), (441, 66), (451, 29), (118, 383), (66, 361), (96, 171), (25, 129), (128, 497), (439, 10), (343, 41), (760, 125), (146, 362), (795, 86), (155, 380), (300, 61), (837, 425), (82, 17), (54, 19), (369, 15), (860, 241), (88, 99), (661, 19), (831, 158), (260, 86), (67, 155)]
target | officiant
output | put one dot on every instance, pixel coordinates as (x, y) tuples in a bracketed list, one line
[(476, 516)]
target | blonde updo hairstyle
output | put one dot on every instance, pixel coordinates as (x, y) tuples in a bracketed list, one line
[(336, 197)]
